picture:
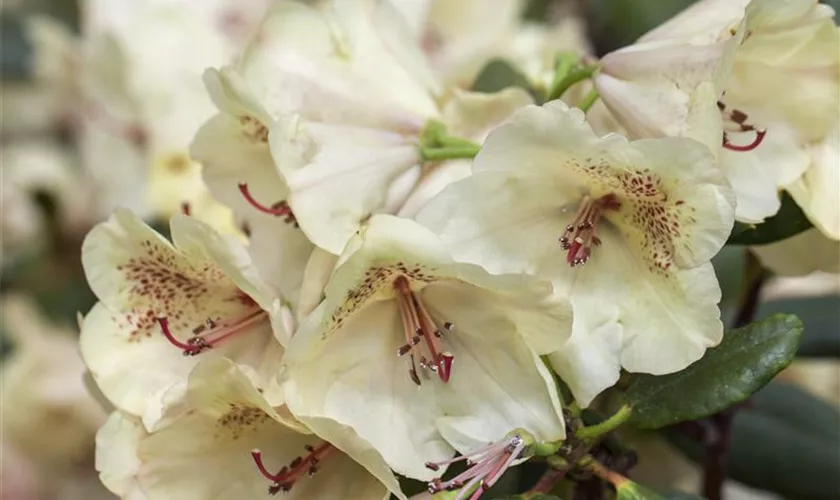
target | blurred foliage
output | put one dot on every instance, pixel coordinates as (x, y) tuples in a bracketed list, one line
[(746, 360), (497, 75), (784, 441), (821, 318), (616, 23), (16, 50)]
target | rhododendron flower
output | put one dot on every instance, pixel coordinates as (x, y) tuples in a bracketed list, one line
[(163, 306), (756, 81), (220, 438), (625, 230), (422, 356)]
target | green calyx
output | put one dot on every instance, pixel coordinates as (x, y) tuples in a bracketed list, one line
[(437, 145)]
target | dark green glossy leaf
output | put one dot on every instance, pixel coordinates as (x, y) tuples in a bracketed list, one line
[(821, 317), (746, 360), (498, 75), (789, 221), (784, 441), (616, 23)]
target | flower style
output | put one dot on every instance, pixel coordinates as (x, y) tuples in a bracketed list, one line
[(221, 439), (722, 72), (164, 306), (637, 223), (345, 95), (420, 355)]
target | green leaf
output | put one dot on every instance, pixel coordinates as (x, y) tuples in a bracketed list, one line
[(746, 360), (789, 221), (785, 442), (498, 75)]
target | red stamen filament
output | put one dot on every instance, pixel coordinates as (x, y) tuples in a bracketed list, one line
[(289, 474), (279, 209), (582, 234), (418, 325), (210, 335)]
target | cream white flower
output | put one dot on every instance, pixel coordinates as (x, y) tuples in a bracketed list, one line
[(422, 356), (815, 191), (644, 217), (802, 254), (220, 437), (163, 307), (761, 75), (345, 94), (48, 414), (139, 111)]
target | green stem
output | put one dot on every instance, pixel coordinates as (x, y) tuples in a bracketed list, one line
[(607, 425), (449, 152), (572, 78), (563, 64), (589, 100)]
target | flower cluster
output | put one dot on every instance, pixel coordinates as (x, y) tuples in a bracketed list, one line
[(423, 261)]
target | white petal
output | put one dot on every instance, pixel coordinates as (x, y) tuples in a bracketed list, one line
[(319, 269), (231, 94), (323, 163), (346, 440), (200, 242), (473, 114), (697, 195), (486, 217), (590, 361), (816, 190), (353, 375), (756, 176), (551, 133), (432, 182), (116, 455), (489, 348), (705, 21), (801, 254), (384, 244), (229, 157), (339, 64), (134, 371), (204, 450)]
